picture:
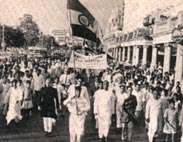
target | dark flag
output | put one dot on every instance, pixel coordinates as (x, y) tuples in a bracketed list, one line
[(82, 22)]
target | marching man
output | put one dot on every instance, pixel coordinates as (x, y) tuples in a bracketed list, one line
[(48, 101), (103, 111), (154, 116), (78, 107), (128, 119)]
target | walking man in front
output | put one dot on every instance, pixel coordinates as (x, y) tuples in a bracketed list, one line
[(103, 111), (154, 116), (48, 97), (78, 107)]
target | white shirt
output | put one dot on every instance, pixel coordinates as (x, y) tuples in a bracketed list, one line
[(103, 103), (38, 82), (139, 97), (64, 79), (84, 92)]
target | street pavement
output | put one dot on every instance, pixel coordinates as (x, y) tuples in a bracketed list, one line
[(32, 131)]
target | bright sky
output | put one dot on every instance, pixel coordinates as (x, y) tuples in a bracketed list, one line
[(51, 14)]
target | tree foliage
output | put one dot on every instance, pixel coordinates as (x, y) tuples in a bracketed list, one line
[(30, 30), (47, 41), (13, 37), (26, 34)]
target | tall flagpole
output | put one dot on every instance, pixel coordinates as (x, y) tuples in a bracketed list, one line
[(3, 44), (73, 62), (72, 39)]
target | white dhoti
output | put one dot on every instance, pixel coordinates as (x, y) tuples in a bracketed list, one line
[(153, 127), (103, 109), (154, 113), (48, 123), (76, 127), (104, 125)]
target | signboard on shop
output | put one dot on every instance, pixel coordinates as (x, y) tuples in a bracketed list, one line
[(177, 33)]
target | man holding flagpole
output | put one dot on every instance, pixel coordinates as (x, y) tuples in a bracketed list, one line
[(78, 107), (83, 25)]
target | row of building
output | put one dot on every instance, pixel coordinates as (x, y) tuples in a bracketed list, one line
[(159, 42)]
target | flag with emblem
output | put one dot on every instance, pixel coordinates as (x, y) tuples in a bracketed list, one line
[(82, 22)]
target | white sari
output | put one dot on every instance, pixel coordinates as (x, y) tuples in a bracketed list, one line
[(14, 98)]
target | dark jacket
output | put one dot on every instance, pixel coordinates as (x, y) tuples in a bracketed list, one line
[(48, 97), (129, 107)]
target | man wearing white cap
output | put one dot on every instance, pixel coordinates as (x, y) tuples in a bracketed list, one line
[(103, 111), (78, 107)]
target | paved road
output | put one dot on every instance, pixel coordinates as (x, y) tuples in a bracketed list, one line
[(32, 131)]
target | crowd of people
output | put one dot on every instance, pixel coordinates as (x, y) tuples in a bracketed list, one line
[(131, 96)]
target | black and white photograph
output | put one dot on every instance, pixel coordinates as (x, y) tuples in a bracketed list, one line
[(91, 71)]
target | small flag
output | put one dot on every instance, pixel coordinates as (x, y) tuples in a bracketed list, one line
[(82, 22)]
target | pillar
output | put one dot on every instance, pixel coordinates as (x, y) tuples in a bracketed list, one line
[(135, 55), (179, 63), (123, 54), (113, 52), (116, 55), (119, 54), (128, 54), (167, 58), (154, 56), (144, 56)]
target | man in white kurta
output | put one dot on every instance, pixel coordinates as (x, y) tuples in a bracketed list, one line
[(137, 92), (103, 110), (65, 78), (78, 107), (154, 115), (120, 95), (38, 83), (95, 96), (84, 91)]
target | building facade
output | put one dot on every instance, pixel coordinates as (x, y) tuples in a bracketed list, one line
[(158, 43), (61, 36), (115, 24)]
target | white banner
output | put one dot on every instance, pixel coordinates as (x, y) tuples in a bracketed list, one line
[(4, 55), (88, 62)]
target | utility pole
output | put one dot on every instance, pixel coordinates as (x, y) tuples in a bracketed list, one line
[(42, 40), (3, 44)]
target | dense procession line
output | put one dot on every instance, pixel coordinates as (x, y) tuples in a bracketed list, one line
[(132, 97)]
